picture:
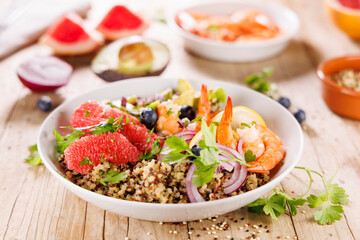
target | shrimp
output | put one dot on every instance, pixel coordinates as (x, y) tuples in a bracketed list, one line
[(168, 118), (267, 147), (224, 132), (203, 107)]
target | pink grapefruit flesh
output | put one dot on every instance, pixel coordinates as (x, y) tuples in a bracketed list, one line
[(355, 4), (68, 37), (121, 22), (87, 114), (113, 147)]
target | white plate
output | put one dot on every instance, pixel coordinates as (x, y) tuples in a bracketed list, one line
[(275, 115), (251, 51)]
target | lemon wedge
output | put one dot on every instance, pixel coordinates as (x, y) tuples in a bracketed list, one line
[(196, 139), (241, 114)]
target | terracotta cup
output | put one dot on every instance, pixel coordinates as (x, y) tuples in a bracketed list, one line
[(341, 100)]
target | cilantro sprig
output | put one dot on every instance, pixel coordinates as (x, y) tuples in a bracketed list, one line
[(259, 82), (113, 177), (331, 201), (34, 157), (178, 150), (111, 125)]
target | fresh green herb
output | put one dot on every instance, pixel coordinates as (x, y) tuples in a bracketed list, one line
[(206, 164), (156, 148), (186, 124), (112, 125), (331, 201), (64, 142), (219, 95), (102, 159), (113, 177), (87, 113), (85, 161), (259, 82), (112, 140), (169, 112), (249, 156), (213, 28), (34, 157), (149, 137), (101, 172), (197, 119), (245, 125)]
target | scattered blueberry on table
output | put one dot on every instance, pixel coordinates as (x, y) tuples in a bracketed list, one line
[(44, 104), (285, 102), (300, 116)]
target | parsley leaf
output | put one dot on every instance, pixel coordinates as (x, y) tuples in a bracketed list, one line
[(258, 81), (169, 112), (174, 157), (249, 156), (245, 125), (177, 144), (86, 160), (156, 148), (87, 113), (64, 142), (204, 176), (328, 214), (34, 157), (331, 201), (113, 177)]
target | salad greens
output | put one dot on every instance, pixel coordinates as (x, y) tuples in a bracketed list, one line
[(110, 126), (259, 82), (330, 201), (178, 150), (34, 157), (113, 177)]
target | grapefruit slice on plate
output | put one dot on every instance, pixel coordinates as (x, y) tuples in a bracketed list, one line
[(121, 22), (68, 37)]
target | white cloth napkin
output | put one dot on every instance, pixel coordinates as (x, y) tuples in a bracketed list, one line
[(29, 26)]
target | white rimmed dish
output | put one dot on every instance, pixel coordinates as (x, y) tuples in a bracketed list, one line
[(285, 18), (275, 115)]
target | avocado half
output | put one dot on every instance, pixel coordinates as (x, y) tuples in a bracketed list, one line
[(131, 57)]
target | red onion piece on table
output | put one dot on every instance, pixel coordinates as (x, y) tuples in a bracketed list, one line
[(191, 190)]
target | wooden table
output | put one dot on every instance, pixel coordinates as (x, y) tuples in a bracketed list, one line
[(33, 205)]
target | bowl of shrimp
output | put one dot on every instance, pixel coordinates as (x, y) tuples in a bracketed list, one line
[(235, 31), (214, 147)]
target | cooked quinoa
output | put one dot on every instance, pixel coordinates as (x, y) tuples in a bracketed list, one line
[(154, 181)]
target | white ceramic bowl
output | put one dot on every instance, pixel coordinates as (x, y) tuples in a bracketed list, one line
[(285, 18), (275, 115)]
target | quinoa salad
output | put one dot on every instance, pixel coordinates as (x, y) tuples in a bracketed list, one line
[(177, 146)]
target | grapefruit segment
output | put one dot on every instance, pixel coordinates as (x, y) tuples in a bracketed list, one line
[(139, 136), (68, 37), (116, 113), (87, 152), (87, 114), (121, 22)]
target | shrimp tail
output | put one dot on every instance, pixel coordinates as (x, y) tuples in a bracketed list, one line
[(224, 132), (203, 107)]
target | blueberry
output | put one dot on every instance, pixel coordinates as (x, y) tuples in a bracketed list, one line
[(187, 112), (196, 150), (284, 101), (300, 116), (148, 117), (44, 104)]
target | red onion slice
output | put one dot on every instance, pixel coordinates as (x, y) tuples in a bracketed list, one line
[(240, 147), (230, 151), (239, 177), (225, 165), (191, 190)]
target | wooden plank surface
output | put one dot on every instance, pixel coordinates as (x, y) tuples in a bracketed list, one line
[(33, 205)]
